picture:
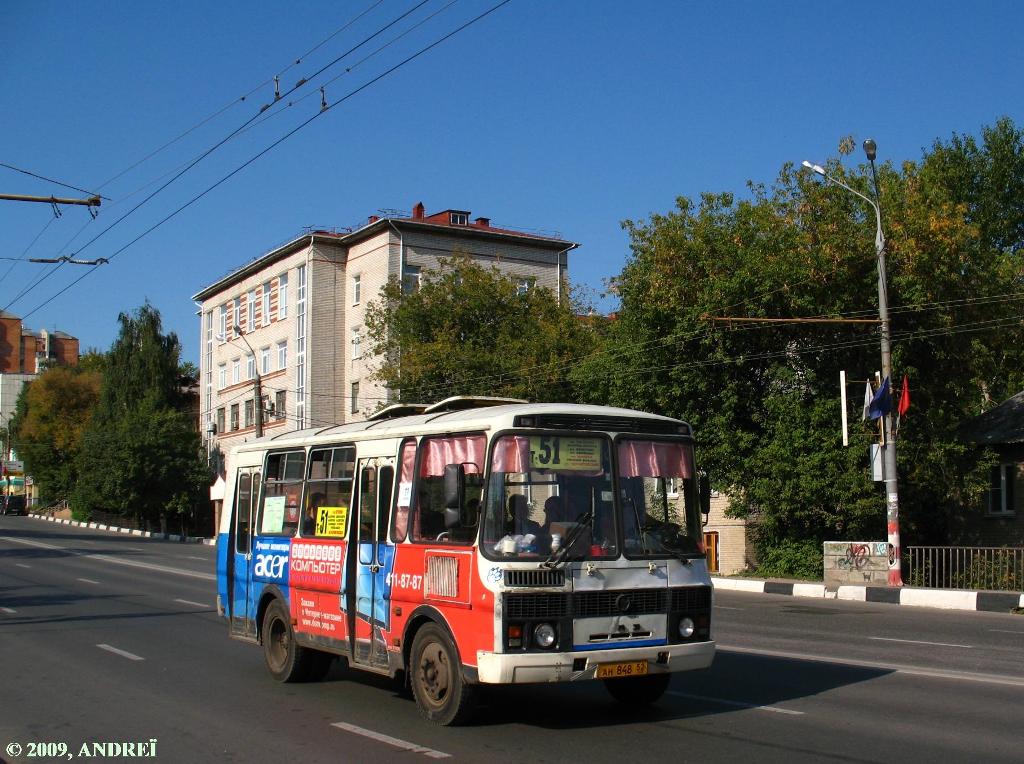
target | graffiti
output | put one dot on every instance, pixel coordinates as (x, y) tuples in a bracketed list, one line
[(855, 559), (893, 554)]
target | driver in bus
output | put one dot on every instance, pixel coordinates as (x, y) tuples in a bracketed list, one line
[(309, 524)]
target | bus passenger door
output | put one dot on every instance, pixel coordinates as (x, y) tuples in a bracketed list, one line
[(247, 486), (373, 563)]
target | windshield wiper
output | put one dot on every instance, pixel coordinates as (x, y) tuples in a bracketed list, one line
[(583, 522), (640, 529)]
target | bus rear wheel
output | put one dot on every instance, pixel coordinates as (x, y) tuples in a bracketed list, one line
[(441, 694), (638, 690), (286, 660)]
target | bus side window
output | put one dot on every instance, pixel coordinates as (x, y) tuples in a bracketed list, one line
[(385, 486), (282, 492), (243, 506), (435, 455), (403, 503)]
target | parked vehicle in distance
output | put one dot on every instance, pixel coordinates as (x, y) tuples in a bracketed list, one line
[(13, 505)]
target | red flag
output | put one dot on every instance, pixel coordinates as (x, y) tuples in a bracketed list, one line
[(904, 403)]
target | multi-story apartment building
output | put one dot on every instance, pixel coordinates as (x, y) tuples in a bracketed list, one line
[(295, 316)]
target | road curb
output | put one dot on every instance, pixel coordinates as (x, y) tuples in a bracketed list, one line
[(129, 531), (945, 599)]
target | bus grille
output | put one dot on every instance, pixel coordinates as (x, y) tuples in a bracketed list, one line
[(536, 605), (691, 598), (548, 578), (442, 579), (634, 601)]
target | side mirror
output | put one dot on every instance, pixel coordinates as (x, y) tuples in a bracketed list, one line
[(454, 492), (704, 488)]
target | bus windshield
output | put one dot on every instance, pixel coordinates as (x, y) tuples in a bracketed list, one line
[(659, 511), (547, 492)]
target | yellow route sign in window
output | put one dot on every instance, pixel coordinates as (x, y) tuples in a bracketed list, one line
[(552, 452), (331, 521)]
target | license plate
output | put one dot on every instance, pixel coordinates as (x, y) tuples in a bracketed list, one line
[(626, 668)]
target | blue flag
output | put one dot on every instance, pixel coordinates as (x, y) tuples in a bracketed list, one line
[(881, 403)]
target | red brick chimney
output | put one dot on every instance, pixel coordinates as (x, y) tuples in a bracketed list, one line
[(373, 219), (419, 211), (483, 222)]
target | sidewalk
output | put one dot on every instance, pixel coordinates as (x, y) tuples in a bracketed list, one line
[(129, 531), (947, 599)]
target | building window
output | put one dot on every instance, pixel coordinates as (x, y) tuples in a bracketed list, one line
[(410, 279), (282, 296), (220, 419), (222, 324), (250, 411), (236, 370), (1003, 490), (280, 403), (355, 398), (524, 284), (250, 366), (265, 360), (357, 343), (236, 324), (266, 303), (300, 347), (222, 376), (250, 309), (459, 218), (282, 354), (356, 289), (234, 416)]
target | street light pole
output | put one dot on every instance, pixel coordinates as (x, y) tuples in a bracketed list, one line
[(889, 445), (257, 384)]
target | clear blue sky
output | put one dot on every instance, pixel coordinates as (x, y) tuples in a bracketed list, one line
[(567, 116)]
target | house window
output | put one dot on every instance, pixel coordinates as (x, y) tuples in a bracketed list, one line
[(280, 402), (282, 354), (357, 343), (1002, 492), (459, 218), (356, 289), (300, 347), (355, 398), (250, 366), (265, 360), (410, 279), (524, 284), (234, 416), (250, 411), (220, 419), (222, 324), (266, 303), (282, 296), (236, 370), (250, 305), (222, 376)]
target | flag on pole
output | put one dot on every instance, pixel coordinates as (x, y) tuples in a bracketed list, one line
[(904, 404), (867, 401), (881, 404)]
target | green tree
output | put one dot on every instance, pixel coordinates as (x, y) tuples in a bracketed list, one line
[(763, 398), (469, 330), (141, 455), (51, 414)]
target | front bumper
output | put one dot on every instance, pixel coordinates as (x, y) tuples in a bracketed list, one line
[(525, 668)]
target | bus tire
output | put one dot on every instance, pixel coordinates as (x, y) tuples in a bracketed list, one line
[(442, 696), (286, 660), (638, 690), (320, 663)]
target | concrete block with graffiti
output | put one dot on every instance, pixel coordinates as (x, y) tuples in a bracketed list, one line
[(856, 562)]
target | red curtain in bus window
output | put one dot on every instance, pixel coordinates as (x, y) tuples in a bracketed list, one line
[(405, 475), (512, 454), (651, 458), (466, 450)]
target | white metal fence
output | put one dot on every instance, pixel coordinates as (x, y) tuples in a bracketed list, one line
[(959, 567)]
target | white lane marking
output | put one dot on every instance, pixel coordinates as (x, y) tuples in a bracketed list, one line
[(725, 607), (87, 581), (403, 744), (20, 565), (896, 668), (11, 611), (115, 561), (122, 653), (190, 557), (1006, 631), (919, 642), (736, 703), (190, 602)]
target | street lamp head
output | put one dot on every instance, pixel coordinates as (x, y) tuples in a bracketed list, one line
[(236, 328), (870, 149), (814, 168)]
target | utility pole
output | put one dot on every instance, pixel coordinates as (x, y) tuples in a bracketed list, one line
[(257, 383)]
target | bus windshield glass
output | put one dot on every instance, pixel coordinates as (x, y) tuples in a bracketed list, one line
[(659, 508), (550, 493)]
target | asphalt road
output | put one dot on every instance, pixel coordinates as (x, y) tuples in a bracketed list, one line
[(109, 638)]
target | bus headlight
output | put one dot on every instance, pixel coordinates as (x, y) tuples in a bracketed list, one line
[(686, 628), (544, 635)]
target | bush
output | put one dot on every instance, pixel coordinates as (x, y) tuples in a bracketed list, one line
[(790, 558)]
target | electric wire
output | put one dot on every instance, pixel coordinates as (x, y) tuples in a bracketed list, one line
[(50, 180)]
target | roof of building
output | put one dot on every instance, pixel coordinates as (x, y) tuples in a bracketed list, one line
[(437, 222), (1002, 425)]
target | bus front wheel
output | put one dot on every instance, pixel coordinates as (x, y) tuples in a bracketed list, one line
[(286, 660), (639, 690), (441, 694)]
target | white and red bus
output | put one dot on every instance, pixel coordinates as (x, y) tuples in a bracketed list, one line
[(475, 541)]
